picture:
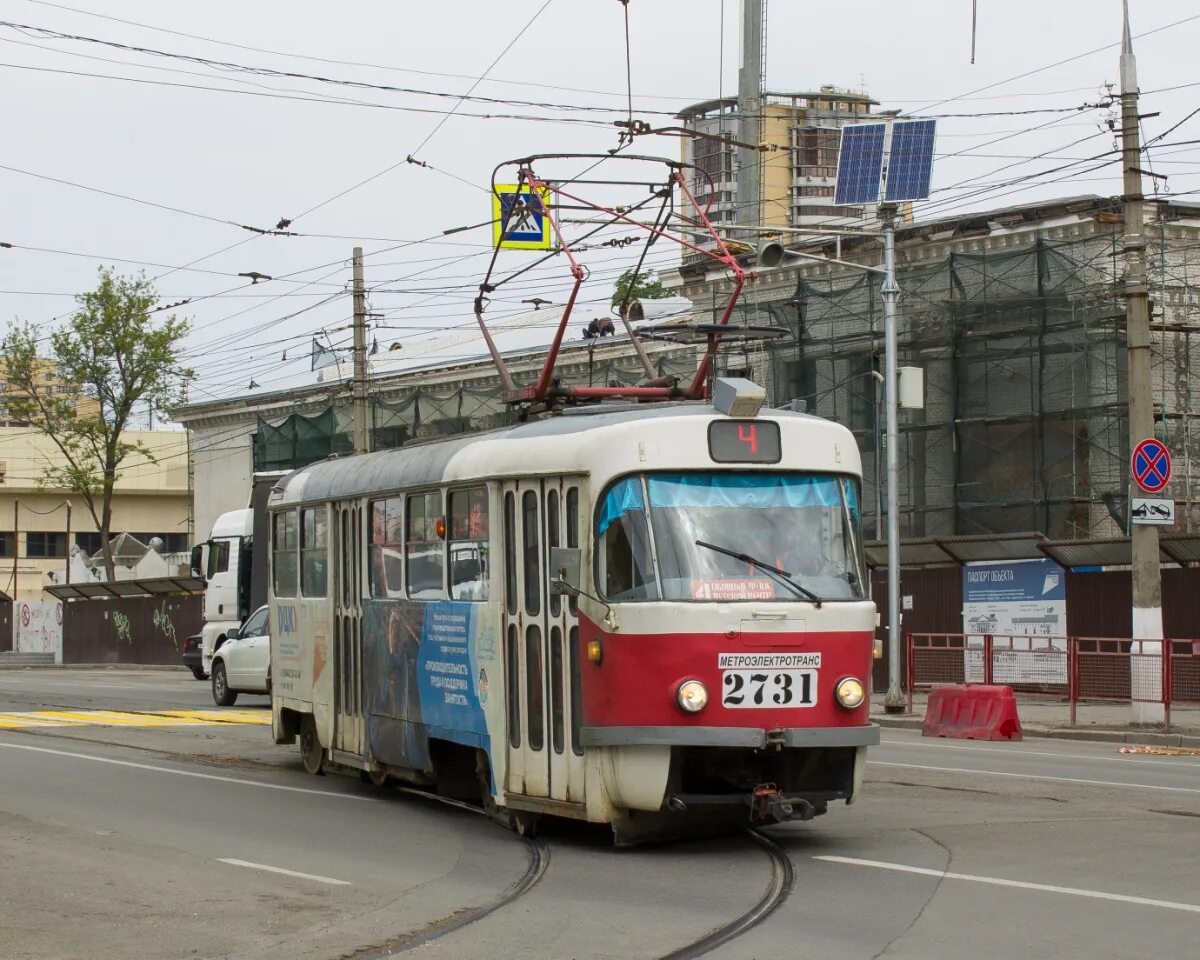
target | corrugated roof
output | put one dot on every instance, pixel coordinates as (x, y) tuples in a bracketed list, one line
[(1181, 548), (152, 587)]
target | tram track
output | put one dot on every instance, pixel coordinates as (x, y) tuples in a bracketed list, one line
[(783, 878), (778, 889), (539, 860)]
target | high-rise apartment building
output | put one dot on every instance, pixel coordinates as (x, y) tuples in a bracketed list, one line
[(797, 171)]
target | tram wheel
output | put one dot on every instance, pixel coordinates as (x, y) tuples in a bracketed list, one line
[(524, 823), (377, 777), (311, 751)]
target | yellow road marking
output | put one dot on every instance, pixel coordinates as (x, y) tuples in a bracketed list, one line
[(222, 716), (129, 718)]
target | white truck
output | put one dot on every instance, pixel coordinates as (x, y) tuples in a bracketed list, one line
[(224, 561)]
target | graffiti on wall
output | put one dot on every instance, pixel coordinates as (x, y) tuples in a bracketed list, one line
[(163, 622), (124, 629)]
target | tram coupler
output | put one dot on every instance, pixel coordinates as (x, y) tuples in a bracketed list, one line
[(767, 804)]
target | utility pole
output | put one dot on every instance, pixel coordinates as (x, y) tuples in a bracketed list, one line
[(894, 701), (16, 548), (361, 435), (67, 576), (1145, 671), (750, 79), (191, 479)]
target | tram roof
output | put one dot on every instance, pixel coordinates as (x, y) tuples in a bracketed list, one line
[(487, 453)]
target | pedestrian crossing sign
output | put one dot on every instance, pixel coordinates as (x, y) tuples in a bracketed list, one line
[(519, 217)]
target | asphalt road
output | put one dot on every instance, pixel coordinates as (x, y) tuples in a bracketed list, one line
[(107, 689), (207, 840)]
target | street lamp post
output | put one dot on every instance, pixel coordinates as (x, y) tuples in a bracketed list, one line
[(894, 701)]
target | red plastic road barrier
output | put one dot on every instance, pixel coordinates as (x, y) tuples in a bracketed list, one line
[(971, 711)]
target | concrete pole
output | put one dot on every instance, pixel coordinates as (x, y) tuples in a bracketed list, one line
[(16, 554), (67, 576), (749, 172), (1145, 673), (895, 702), (362, 443)]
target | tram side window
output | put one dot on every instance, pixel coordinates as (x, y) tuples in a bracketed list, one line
[(576, 691), (531, 553), (424, 549), (628, 573), (573, 536), (510, 553), (285, 538), (535, 719), (556, 689), (469, 544), (553, 536), (314, 552), (387, 547), (512, 686)]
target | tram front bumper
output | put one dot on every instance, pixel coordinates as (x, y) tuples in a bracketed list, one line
[(754, 738)]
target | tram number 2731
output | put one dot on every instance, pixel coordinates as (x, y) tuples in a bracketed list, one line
[(769, 688)]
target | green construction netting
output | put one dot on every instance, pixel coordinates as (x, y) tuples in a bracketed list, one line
[(301, 439), (429, 411), (1023, 355)]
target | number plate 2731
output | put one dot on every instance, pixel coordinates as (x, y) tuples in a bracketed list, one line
[(758, 689)]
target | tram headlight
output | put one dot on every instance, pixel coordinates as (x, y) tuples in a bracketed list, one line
[(850, 692), (692, 696)]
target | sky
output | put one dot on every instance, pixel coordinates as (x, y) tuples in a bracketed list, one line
[(179, 156)]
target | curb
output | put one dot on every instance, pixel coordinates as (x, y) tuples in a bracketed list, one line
[(1152, 737), (91, 666)]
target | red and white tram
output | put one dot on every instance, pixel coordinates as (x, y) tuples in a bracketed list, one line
[(653, 617)]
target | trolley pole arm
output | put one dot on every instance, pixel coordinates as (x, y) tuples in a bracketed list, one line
[(543, 383), (506, 379), (700, 381), (647, 366)]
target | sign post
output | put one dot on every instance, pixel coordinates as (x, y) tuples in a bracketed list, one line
[(1150, 467)]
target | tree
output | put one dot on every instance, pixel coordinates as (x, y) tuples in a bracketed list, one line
[(117, 355), (647, 287)]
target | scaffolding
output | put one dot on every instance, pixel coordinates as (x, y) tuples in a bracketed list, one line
[(1021, 335), (402, 412)]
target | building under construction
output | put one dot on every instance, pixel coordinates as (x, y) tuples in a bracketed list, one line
[(1017, 318)]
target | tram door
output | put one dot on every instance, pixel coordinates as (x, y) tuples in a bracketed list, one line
[(347, 627), (562, 514), (544, 759)]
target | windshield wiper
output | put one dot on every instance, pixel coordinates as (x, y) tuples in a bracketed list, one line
[(782, 576)]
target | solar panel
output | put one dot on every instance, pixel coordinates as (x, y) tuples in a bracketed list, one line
[(910, 160), (860, 162)]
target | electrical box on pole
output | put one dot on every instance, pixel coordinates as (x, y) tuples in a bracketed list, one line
[(911, 393)]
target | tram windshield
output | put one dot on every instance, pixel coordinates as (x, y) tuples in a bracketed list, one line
[(803, 524)]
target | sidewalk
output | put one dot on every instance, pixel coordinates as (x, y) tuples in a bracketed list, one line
[(8, 664), (1045, 717)]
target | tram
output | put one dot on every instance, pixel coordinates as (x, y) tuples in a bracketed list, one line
[(653, 617)]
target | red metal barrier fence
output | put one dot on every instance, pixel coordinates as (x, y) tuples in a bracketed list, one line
[(1073, 669)]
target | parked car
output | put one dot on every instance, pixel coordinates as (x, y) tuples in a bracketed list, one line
[(242, 664), (193, 656)]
